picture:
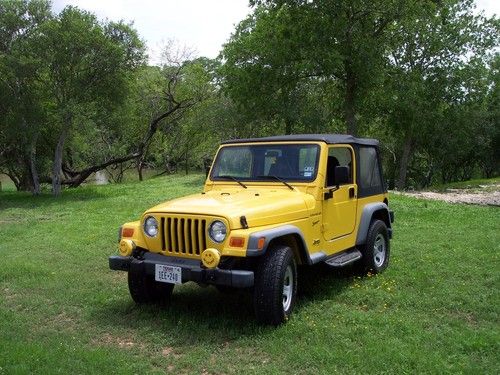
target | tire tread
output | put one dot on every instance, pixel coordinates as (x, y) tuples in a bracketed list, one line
[(268, 285)]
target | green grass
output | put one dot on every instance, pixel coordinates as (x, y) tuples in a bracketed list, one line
[(435, 309), (6, 183)]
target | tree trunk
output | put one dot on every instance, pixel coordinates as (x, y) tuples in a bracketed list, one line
[(288, 126), (78, 177), (31, 179), (350, 100), (428, 176), (34, 173), (139, 168), (405, 159), (57, 167)]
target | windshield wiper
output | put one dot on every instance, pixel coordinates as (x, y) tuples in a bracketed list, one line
[(277, 179), (233, 178)]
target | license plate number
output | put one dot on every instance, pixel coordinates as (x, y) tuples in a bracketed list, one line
[(168, 274)]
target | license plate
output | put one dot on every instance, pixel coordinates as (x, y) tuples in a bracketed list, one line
[(168, 274)]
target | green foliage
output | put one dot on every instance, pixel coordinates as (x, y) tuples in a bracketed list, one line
[(61, 75), (436, 85), (185, 137), (417, 74), (280, 57), (435, 309), (422, 76), (22, 104)]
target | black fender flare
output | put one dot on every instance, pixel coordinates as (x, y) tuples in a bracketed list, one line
[(370, 210), (270, 235)]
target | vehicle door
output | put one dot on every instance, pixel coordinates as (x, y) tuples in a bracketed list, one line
[(339, 202)]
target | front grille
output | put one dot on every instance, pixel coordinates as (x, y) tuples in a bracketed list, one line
[(182, 235)]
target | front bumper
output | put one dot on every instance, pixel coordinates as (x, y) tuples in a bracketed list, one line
[(191, 270)]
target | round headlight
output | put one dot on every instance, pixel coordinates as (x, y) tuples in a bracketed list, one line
[(217, 231), (151, 226)]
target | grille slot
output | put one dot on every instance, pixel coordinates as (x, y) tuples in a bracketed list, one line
[(163, 242), (183, 235)]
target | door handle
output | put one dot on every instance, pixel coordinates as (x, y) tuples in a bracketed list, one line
[(352, 193)]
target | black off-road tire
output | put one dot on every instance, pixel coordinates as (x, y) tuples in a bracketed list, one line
[(144, 289), (275, 268), (373, 259)]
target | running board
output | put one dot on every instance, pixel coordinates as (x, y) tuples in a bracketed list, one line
[(345, 258)]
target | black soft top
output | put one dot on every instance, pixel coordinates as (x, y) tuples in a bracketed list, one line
[(327, 138)]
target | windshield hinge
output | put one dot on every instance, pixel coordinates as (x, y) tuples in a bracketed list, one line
[(243, 222)]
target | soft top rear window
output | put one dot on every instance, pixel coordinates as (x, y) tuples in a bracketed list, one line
[(369, 177)]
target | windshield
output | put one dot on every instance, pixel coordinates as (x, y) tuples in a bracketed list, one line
[(261, 162)]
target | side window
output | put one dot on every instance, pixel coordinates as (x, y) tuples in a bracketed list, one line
[(369, 169), (338, 156)]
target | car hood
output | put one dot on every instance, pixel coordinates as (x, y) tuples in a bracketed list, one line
[(259, 206)]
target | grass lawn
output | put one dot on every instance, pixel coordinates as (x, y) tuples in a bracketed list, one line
[(435, 309), (6, 184)]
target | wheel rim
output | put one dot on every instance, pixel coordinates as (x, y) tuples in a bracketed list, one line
[(379, 250), (288, 288)]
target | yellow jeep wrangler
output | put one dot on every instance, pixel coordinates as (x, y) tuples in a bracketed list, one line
[(268, 205)]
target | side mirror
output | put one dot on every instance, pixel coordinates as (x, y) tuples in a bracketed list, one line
[(341, 176)]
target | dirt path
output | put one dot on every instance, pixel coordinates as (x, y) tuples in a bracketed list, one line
[(486, 195)]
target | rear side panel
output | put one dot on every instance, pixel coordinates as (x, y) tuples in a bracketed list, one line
[(369, 177)]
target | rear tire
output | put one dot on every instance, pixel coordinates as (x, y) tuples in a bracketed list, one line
[(377, 248), (144, 289), (275, 287)]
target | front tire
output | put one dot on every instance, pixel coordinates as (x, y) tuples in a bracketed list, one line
[(144, 289), (377, 248), (275, 288)]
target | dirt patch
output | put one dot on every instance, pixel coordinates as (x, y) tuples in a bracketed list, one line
[(487, 195), (124, 342), (169, 351)]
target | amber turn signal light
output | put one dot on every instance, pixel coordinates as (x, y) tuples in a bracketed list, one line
[(236, 242), (261, 243), (127, 232)]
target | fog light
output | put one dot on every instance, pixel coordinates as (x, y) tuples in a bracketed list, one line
[(210, 258), (126, 247)]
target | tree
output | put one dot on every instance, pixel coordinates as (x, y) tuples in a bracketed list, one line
[(258, 72), (176, 86), (489, 159), (88, 63), (430, 49), (21, 94), (284, 43)]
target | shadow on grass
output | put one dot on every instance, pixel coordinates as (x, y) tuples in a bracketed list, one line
[(318, 281), (26, 200), (195, 313)]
